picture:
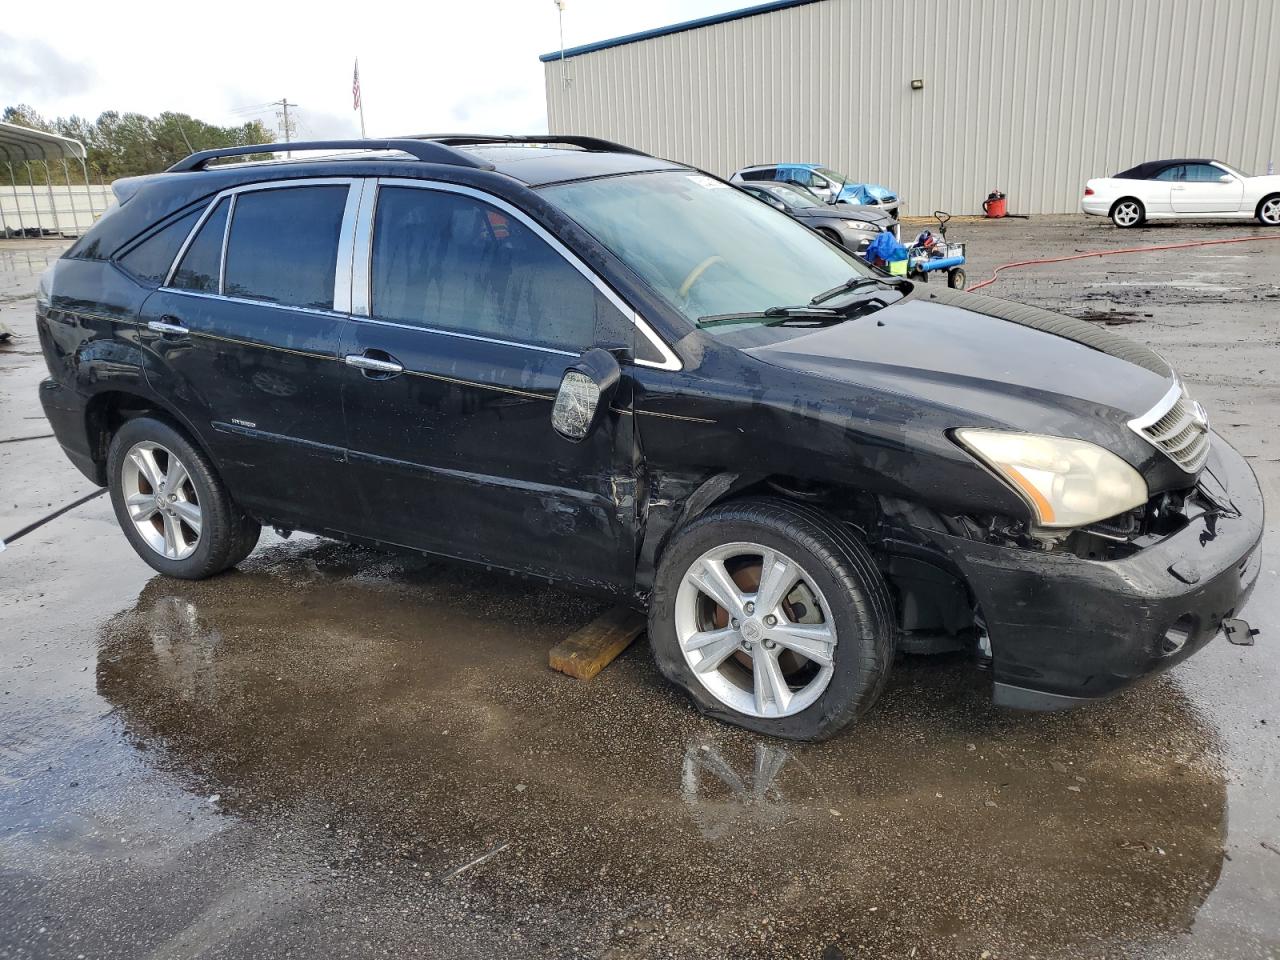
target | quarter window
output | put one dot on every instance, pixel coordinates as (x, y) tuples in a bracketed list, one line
[(452, 262), (152, 258), (283, 245), (202, 262), (1177, 173)]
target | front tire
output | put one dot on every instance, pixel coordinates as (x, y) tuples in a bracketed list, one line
[(772, 615), (1269, 211), (830, 235), (172, 505), (1128, 213), (957, 278)]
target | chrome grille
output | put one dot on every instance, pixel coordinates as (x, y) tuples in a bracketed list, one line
[(1178, 427)]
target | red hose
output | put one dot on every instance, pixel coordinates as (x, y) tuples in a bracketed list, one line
[(1107, 253)]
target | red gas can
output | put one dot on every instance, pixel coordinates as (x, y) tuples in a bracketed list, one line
[(996, 205)]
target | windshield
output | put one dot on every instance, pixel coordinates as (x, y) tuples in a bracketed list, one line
[(707, 248), (835, 175)]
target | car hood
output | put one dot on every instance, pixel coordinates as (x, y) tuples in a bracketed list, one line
[(994, 363), (845, 211)]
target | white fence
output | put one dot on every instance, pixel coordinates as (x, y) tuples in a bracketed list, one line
[(43, 210)]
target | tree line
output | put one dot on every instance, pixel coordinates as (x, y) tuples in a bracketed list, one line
[(128, 144)]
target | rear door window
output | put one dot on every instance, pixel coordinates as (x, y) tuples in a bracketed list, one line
[(202, 263), (452, 262), (1177, 173), (152, 258), (283, 245)]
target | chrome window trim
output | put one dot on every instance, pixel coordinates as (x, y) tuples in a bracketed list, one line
[(333, 314), (346, 248), (362, 252), (467, 336), (182, 250), (362, 273), (232, 193), (226, 236)]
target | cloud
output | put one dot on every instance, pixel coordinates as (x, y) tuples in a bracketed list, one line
[(31, 71)]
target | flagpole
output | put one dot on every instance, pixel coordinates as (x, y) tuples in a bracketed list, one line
[(360, 100)]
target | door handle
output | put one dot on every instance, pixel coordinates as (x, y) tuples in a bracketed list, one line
[(1177, 188), (163, 326), (373, 364)]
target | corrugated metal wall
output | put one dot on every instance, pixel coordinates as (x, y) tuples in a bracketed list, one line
[(1029, 96)]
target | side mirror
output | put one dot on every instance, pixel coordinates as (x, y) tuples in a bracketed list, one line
[(1226, 178), (585, 392)]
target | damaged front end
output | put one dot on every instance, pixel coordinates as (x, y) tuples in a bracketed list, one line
[(1072, 615)]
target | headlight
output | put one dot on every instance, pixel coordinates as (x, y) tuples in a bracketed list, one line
[(1067, 483), (859, 225)]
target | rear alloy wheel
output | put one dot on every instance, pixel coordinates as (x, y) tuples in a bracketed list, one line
[(1128, 213), (772, 615), (171, 503), (162, 501), (1269, 211)]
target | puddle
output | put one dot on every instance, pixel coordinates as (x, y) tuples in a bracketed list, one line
[(390, 754)]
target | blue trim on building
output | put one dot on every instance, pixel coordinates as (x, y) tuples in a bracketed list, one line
[(676, 28)]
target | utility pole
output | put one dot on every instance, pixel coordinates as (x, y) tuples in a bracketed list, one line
[(286, 125)]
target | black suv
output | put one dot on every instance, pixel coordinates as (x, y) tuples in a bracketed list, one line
[(568, 359)]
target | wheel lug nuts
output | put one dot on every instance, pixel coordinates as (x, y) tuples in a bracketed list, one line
[(735, 624), (751, 608), (771, 621), (747, 646), (769, 644)]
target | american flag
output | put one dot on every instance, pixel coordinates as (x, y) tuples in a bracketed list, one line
[(355, 87)]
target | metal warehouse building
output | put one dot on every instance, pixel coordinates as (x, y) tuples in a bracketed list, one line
[(941, 100)]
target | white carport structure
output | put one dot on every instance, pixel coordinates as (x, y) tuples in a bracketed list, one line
[(34, 209)]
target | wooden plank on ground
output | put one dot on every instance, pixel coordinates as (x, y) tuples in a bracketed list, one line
[(587, 651)]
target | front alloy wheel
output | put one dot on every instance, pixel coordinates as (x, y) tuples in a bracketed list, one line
[(755, 629), (772, 615), (162, 501)]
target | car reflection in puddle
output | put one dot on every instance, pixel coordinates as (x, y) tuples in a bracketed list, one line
[(389, 729)]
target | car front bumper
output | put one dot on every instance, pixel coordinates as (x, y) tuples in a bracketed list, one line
[(1065, 630)]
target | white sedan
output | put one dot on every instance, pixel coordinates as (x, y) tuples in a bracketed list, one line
[(1183, 190)]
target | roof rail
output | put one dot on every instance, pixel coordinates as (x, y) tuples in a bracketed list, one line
[(478, 139), (428, 151)]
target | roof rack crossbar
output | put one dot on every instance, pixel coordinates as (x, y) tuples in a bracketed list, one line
[(428, 151), (476, 139)]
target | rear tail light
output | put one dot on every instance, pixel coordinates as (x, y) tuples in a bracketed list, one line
[(1088, 191)]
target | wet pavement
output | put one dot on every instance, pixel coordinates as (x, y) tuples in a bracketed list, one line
[(337, 752)]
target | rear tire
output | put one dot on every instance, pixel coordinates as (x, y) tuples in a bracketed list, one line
[(1127, 213), (1269, 211), (956, 278), (836, 591), (172, 505)]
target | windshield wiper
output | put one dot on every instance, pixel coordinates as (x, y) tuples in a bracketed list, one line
[(774, 315), (853, 283)]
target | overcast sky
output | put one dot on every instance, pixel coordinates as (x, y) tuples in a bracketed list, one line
[(470, 65)]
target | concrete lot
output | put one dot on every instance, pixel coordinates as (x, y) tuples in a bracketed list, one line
[(339, 753)]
